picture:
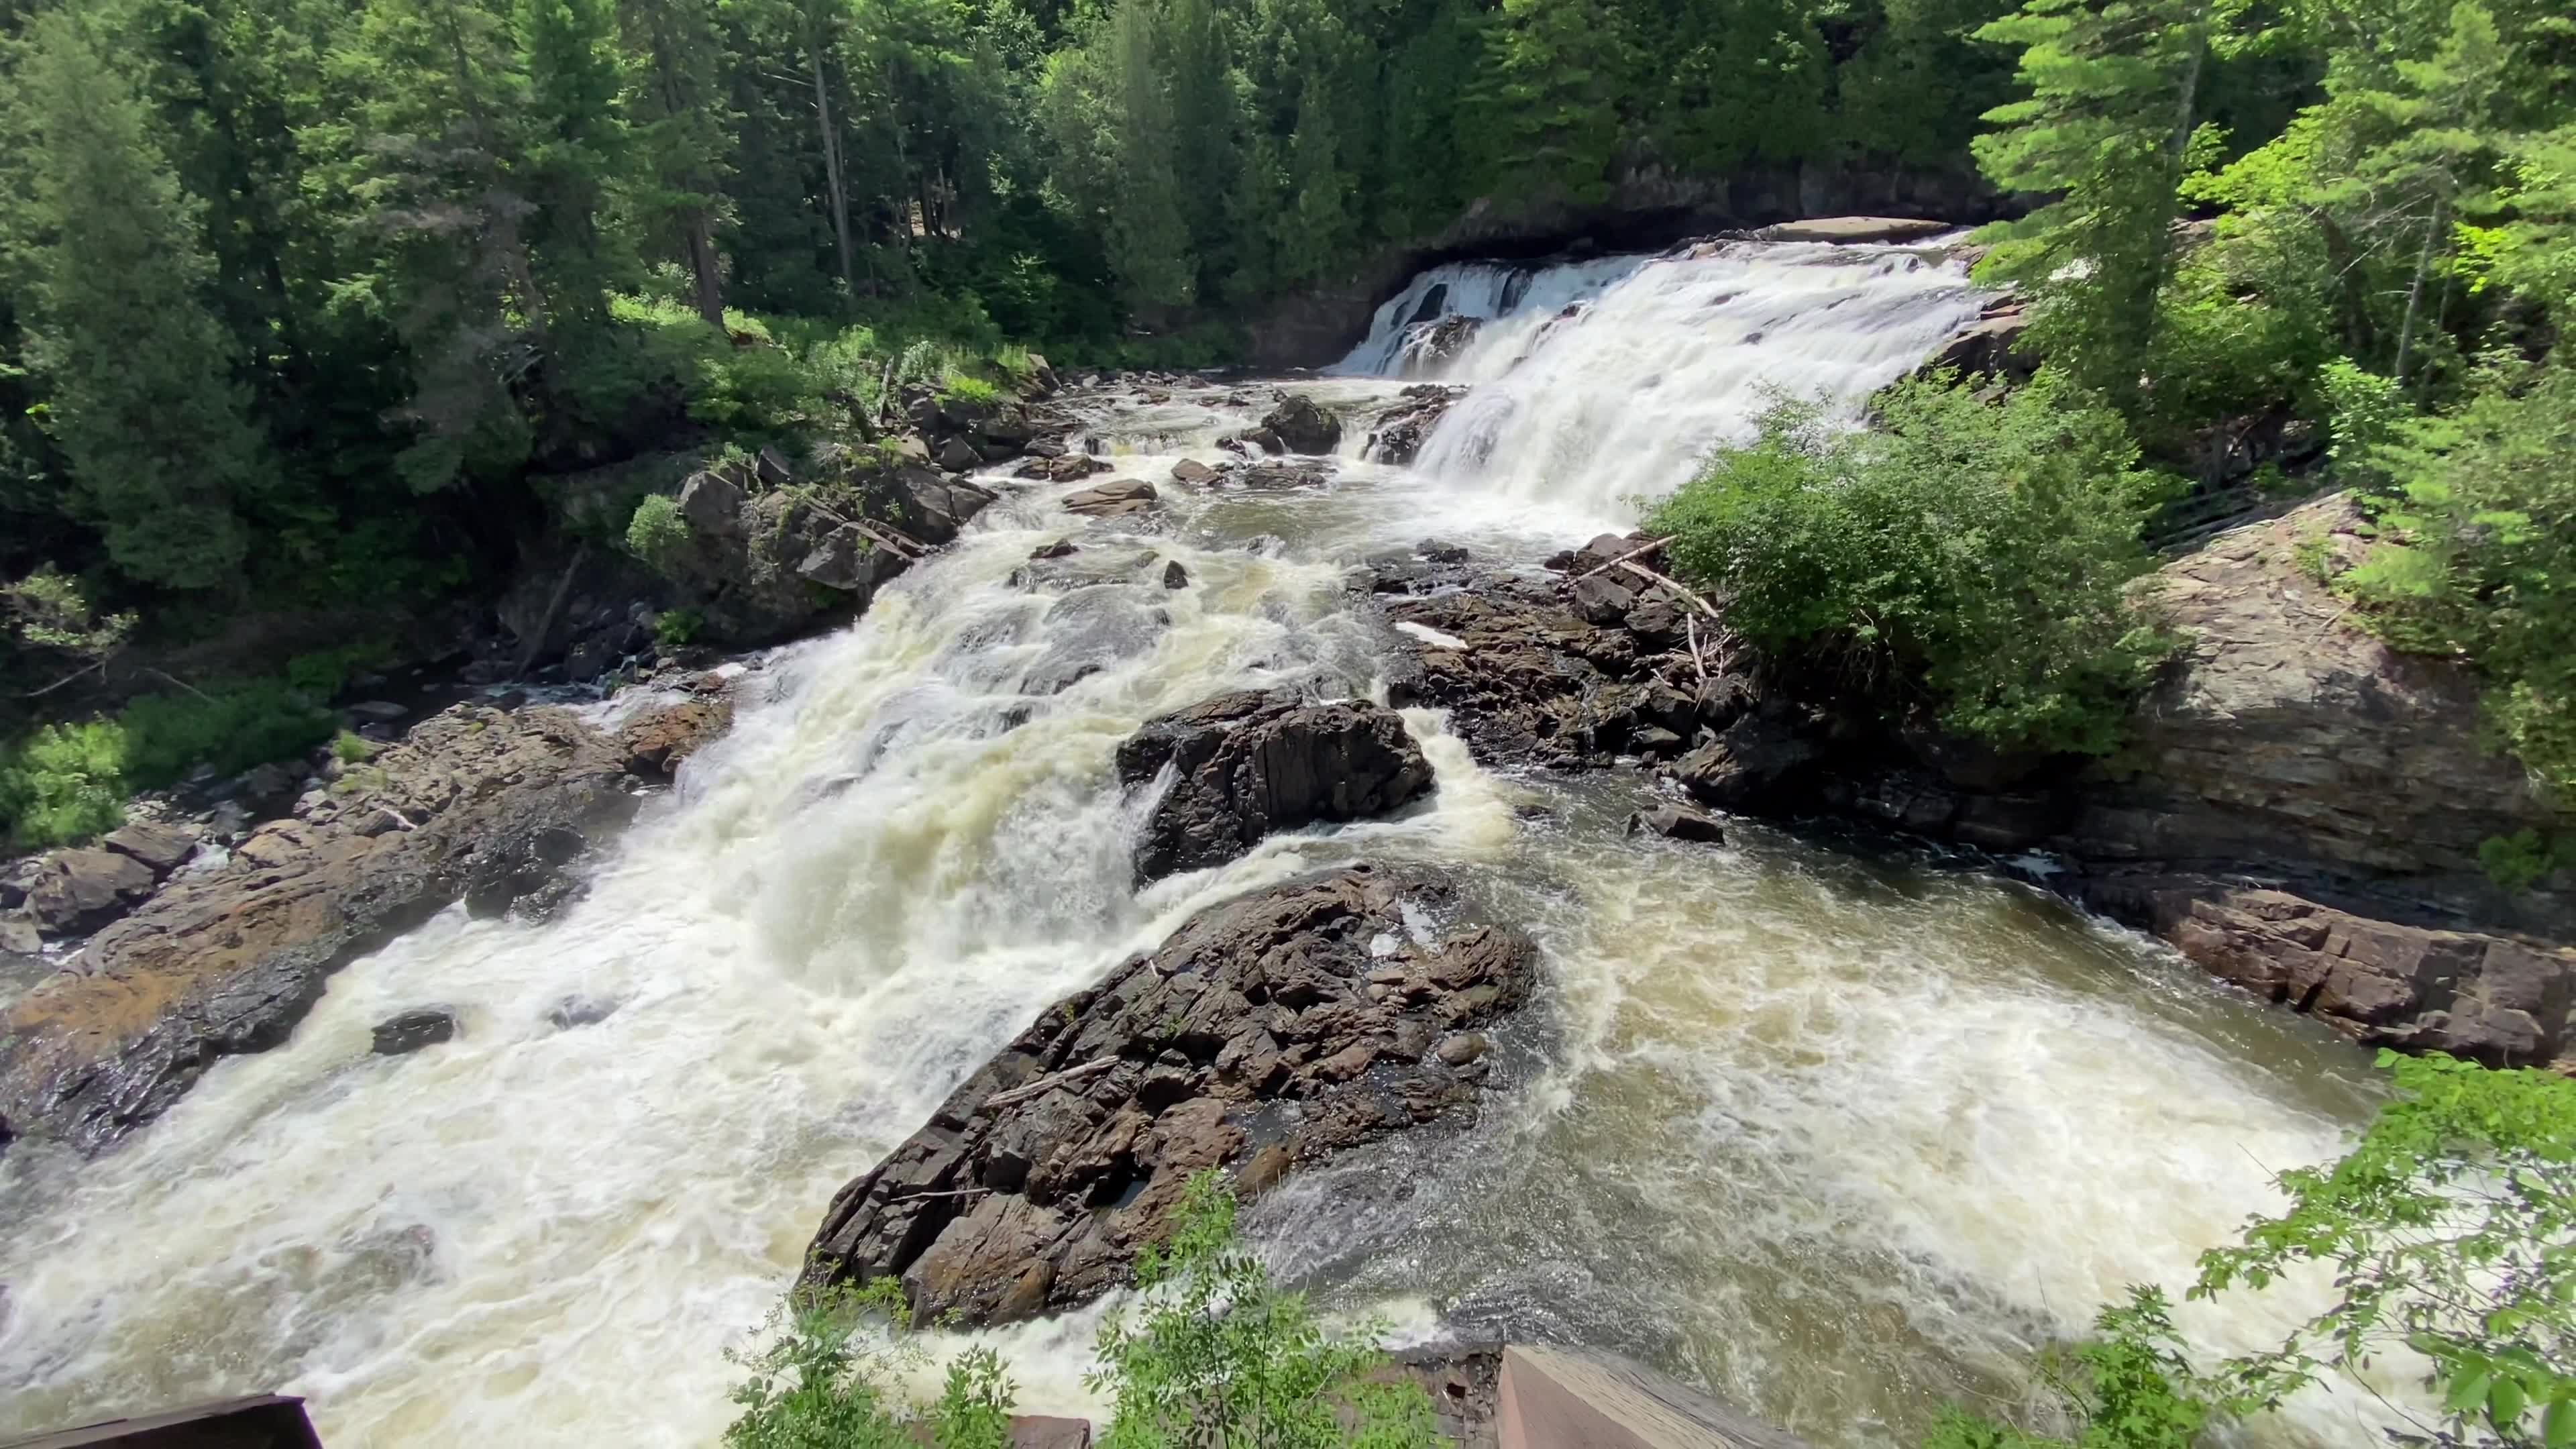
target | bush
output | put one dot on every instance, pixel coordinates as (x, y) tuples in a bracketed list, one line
[(2450, 1231), (955, 386), (674, 628), (2478, 555), (1212, 1353), (1963, 556), (63, 784), (351, 749), (657, 532)]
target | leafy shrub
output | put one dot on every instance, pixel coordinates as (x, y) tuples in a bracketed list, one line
[(2478, 556), (2524, 859), (1972, 553), (230, 727), (351, 749), (674, 628), (1216, 1353), (657, 532), (323, 673), (2450, 1230), (1212, 1353), (63, 784), (955, 386)]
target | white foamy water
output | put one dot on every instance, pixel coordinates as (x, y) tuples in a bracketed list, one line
[(1603, 384), (1840, 1138)]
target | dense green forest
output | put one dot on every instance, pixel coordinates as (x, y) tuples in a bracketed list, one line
[(296, 298), (293, 294)]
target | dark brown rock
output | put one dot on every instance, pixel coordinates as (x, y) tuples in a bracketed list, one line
[(1194, 473), (78, 890), (1303, 426), (1112, 500), (408, 1032), (1063, 468), (1248, 763), (160, 847), (1399, 433), (656, 741), (2497, 1000), (1033, 1186), (1677, 822)]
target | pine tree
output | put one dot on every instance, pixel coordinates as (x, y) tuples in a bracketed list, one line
[(577, 147), (141, 399), (680, 134), (1148, 240), (2113, 108), (1549, 96), (1316, 227)]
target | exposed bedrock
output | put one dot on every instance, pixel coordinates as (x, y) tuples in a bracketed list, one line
[(1270, 1032), (1247, 763), (498, 808), (2299, 808)]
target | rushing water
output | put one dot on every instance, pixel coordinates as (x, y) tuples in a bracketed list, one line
[(1841, 1135)]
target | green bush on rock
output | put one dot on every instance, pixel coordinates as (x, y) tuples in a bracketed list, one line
[(1960, 556), (1211, 1352)]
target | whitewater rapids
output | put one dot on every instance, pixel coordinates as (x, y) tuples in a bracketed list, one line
[(1841, 1136)]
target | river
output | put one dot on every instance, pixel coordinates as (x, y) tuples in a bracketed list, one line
[(1841, 1133)]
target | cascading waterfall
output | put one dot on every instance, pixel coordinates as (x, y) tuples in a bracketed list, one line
[(1840, 1139), (1600, 383)]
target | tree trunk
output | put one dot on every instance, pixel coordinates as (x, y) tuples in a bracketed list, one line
[(840, 196), (697, 232), (2415, 290)]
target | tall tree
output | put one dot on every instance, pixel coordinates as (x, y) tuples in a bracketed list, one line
[(2106, 130), (141, 395), (680, 134), (1148, 240)]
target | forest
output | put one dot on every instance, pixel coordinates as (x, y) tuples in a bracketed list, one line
[(297, 298)]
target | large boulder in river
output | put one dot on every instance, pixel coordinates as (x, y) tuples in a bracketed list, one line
[(1248, 763), (1112, 500), (1302, 425), (473, 802), (1270, 1032)]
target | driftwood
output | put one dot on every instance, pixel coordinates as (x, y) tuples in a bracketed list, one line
[(1691, 623), (1046, 1084), (1623, 558), (554, 606), (1687, 597)]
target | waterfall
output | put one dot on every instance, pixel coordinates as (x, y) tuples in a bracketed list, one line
[(1601, 384), (1841, 1140)]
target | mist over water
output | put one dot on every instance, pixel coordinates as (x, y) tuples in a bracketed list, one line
[(1840, 1135)]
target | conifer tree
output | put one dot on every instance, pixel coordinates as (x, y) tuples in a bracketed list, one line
[(1148, 240), (141, 395)]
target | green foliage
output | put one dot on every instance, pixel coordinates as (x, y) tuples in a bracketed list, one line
[(828, 1375), (2127, 1387), (2451, 1230), (351, 749), (675, 628), (2477, 556), (50, 611), (657, 532), (63, 784), (1215, 1353), (322, 674), (955, 386), (2524, 859), (1971, 552)]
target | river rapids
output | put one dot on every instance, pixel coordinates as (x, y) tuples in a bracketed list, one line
[(1840, 1135)]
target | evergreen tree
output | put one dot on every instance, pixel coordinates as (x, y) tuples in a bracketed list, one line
[(1549, 96), (1148, 240), (1316, 227), (2106, 130), (680, 134), (140, 393)]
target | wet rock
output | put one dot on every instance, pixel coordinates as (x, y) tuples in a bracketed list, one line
[(1435, 345), (2494, 999), (1281, 477), (160, 847), (227, 959), (378, 710), (934, 510), (711, 503), (1175, 576), (1303, 426), (849, 560), (1761, 758), (1112, 500), (1261, 438), (1086, 568), (1602, 599), (78, 890), (1248, 763), (656, 741), (1678, 822), (412, 1030), (957, 455), (1193, 472), (578, 1010), (1247, 1044), (1092, 628), (1061, 548), (1065, 468)]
